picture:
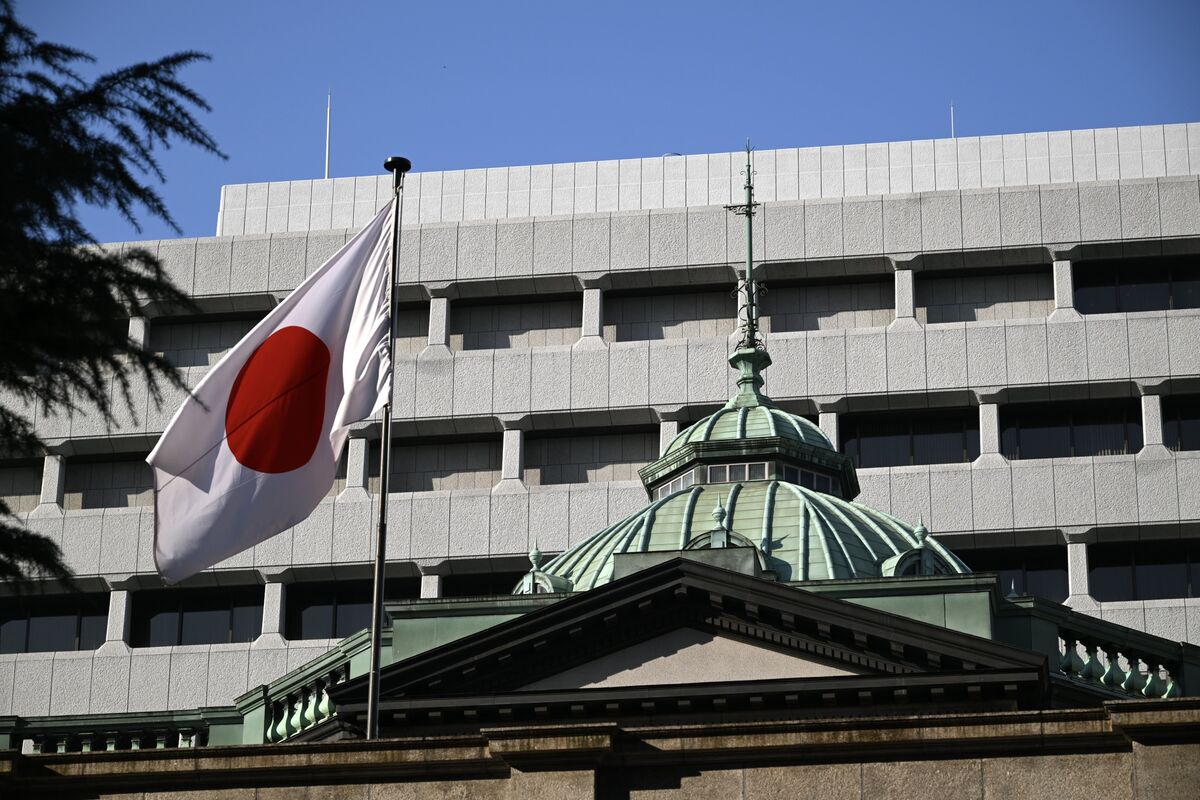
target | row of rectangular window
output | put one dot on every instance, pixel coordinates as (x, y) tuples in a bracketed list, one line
[(1131, 285), (749, 471), (1027, 430), (1117, 571), (174, 617)]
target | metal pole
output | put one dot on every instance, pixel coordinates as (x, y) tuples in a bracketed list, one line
[(328, 118), (751, 290), (397, 165)]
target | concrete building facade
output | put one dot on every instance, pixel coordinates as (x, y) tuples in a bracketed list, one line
[(560, 324)]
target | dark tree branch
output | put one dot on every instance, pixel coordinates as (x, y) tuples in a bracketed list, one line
[(65, 301)]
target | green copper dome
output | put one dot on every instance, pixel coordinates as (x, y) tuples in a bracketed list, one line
[(752, 476), (750, 422), (804, 535)]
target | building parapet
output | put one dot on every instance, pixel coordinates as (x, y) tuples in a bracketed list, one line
[(675, 181)]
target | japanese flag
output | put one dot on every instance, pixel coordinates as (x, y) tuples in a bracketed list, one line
[(255, 448)]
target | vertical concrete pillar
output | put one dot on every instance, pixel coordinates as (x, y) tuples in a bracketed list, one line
[(989, 428), (828, 422), (139, 331), (512, 457), (119, 608), (1064, 293), (668, 429), (54, 481), (439, 322), (357, 466), (593, 312), (1078, 592), (431, 586), (274, 604), (905, 297), (1152, 424)]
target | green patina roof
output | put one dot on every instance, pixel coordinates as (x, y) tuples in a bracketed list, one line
[(750, 422), (805, 535)]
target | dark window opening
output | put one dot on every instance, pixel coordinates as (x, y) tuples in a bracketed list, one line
[(53, 623), (1136, 284), (1146, 570), (1037, 571), (169, 617), (1181, 422), (896, 439), (337, 609), (1063, 430), (480, 584)]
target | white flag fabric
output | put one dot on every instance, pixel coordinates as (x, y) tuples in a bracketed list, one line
[(256, 448)]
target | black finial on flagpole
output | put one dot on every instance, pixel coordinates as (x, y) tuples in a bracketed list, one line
[(397, 165)]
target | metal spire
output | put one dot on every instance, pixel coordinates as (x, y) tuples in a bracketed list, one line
[(749, 289), (750, 357)]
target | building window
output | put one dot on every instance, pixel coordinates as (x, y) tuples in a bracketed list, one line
[(736, 473), (1145, 570), (168, 617), (480, 584), (337, 609), (677, 485), (1144, 284), (898, 439), (814, 306), (431, 466), (816, 481), (1063, 430), (123, 481), (53, 623), (517, 325), (581, 457), (1037, 571), (1181, 422), (653, 316), (1010, 293)]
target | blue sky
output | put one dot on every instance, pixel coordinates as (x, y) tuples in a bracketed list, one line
[(460, 85)]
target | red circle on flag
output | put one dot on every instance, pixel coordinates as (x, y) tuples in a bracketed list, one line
[(276, 407)]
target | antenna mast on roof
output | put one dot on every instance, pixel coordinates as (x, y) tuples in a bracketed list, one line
[(328, 117), (951, 118)]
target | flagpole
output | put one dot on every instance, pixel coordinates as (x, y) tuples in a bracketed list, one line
[(397, 165)]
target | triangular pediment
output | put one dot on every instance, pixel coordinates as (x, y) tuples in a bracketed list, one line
[(683, 623), (686, 656)]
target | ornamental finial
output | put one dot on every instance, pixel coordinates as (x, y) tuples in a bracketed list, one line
[(750, 358)]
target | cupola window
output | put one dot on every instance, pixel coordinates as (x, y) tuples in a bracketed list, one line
[(734, 473)]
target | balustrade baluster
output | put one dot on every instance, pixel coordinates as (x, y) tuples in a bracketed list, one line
[(1091, 670), (1154, 686), (1113, 674), (1133, 682)]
